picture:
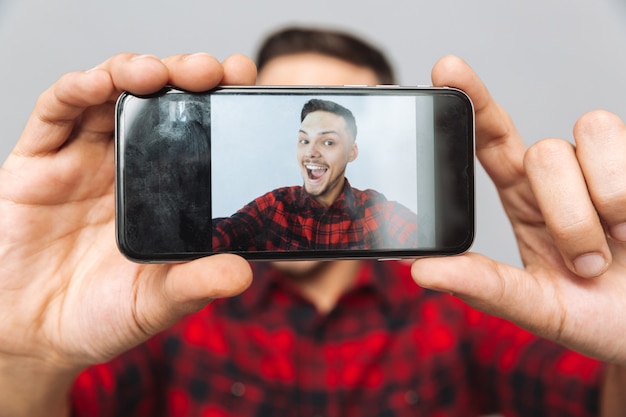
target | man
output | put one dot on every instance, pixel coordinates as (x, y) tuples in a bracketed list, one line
[(326, 213), (69, 299)]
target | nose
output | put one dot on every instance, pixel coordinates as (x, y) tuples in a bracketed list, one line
[(312, 150)]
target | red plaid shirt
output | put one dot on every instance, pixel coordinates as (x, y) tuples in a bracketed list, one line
[(289, 218), (389, 348)]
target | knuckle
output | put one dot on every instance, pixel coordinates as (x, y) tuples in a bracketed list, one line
[(546, 153)]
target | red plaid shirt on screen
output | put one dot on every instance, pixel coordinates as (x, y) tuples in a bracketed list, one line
[(289, 218), (389, 348)]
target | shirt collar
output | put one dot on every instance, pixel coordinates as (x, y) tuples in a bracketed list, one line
[(264, 279)]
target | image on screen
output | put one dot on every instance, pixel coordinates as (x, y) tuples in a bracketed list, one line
[(258, 171)]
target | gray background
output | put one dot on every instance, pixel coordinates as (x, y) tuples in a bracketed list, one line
[(546, 62)]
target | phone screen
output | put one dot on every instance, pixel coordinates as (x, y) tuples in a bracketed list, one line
[(295, 173)]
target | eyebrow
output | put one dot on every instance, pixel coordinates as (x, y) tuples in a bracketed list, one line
[(324, 132)]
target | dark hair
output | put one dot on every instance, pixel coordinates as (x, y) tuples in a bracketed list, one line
[(330, 106), (333, 43)]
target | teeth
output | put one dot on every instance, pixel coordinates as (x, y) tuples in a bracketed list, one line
[(312, 167)]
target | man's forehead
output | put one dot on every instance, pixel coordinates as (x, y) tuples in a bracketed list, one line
[(314, 69), (321, 118), (328, 123)]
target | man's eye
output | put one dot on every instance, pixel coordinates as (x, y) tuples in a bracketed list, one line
[(329, 142), (304, 141)]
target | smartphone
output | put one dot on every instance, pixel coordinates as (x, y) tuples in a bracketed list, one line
[(293, 173)]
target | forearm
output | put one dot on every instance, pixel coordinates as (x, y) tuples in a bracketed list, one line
[(237, 232), (613, 397), (29, 388)]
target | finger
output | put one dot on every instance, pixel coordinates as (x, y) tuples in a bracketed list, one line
[(188, 287), (561, 192), (139, 74), (194, 72), (239, 70), (601, 150), (57, 109), (559, 307), (494, 288), (498, 145)]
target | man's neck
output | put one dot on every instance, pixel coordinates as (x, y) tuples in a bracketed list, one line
[(324, 286), (328, 198)]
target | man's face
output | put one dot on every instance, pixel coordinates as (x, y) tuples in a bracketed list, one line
[(324, 149), (312, 69)]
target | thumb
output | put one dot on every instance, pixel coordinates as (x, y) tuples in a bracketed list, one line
[(492, 287), (188, 287)]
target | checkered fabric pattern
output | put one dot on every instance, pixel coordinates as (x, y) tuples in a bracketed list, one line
[(389, 348), (290, 219)]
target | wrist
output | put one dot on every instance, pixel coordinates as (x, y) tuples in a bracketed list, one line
[(612, 397), (31, 388)]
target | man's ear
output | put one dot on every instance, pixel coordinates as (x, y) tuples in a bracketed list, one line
[(354, 152)]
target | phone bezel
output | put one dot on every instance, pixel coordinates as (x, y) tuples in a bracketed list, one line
[(469, 170)]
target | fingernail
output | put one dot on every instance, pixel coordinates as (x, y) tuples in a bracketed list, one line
[(144, 56), (618, 232), (196, 55), (590, 265)]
